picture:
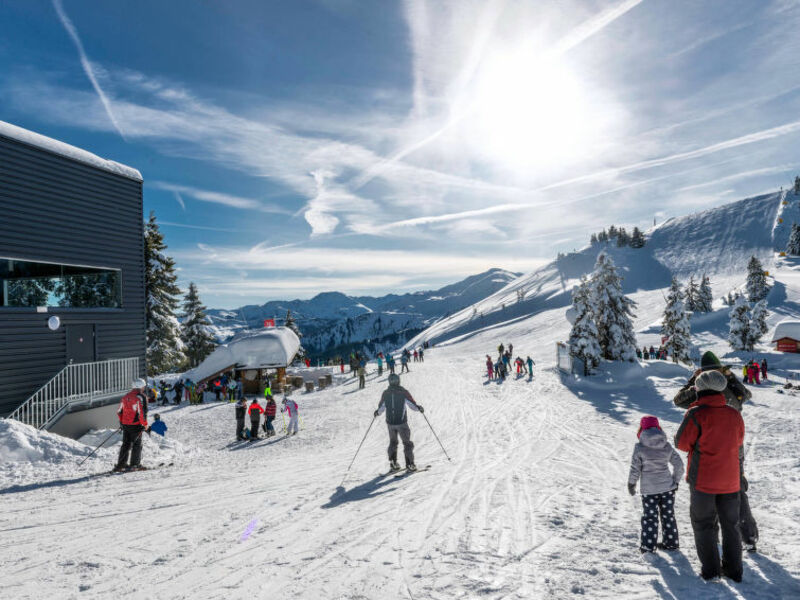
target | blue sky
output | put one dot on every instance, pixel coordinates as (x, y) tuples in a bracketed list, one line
[(290, 148)]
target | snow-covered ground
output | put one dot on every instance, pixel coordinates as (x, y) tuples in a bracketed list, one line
[(533, 504)]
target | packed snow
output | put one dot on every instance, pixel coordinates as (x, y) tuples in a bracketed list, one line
[(532, 504), (40, 141)]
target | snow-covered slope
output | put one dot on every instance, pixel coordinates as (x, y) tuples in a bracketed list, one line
[(331, 321), (718, 242)]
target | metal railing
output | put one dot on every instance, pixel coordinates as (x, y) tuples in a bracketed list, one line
[(83, 382)]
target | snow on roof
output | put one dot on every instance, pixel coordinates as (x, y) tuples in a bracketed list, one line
[(787, 329), (40, 141), (265, 348)]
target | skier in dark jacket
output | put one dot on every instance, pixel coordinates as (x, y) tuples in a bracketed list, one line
[(530, 364), (395, 400), (178, 389), (255, 412), (270, 410), (241, 411), (736, 394), (713, 433)]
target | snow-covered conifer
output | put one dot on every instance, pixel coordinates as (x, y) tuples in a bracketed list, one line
[(739, 325), (675, 324), (758, 323), (164, 346), (756, 285), (593, 239), (637, 238), (705, 298), (291, 324), (793, 247), (613, 312), (197, 338), (623, 239), (583, 342), (692, 295)]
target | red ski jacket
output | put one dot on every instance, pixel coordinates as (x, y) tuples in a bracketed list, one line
[(131, 409), (271, 409), (254, 408), (712, 433)]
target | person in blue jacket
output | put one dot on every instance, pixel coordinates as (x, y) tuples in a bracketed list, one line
[(158, 425)]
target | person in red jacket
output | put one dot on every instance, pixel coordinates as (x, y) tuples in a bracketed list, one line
[(713, 433), (255, 411), (133, 421)]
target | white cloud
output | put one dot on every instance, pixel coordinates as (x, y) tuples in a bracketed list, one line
[(222, 198)]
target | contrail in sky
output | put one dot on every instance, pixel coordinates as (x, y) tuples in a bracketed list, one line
[(86, 64)]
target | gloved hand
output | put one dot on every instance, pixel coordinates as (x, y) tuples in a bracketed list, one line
[(632, 489), (375, 414), (422, 410)]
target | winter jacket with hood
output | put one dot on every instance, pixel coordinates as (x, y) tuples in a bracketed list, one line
[(394, 400), (712, 433), (736, 394), (651, 460)]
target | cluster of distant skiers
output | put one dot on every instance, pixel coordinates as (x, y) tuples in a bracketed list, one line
[(753, 372), (659, 353), (712, 434), (501, 368)]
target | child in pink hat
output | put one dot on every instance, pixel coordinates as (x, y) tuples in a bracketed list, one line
[(650, 463)]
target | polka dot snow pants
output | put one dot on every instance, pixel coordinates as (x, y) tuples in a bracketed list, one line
[(652, 506)]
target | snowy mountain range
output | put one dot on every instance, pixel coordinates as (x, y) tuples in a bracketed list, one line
[(332, 322)]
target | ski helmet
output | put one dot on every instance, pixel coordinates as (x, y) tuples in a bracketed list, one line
[(157, 417), (394, 379), (139, 383)]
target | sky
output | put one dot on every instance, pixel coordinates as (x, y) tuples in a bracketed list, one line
[(372, 147)]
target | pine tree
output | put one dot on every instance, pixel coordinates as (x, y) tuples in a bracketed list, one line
[(613, 312), (758, 323), (197, 338), (612, 232), (756, 285), (705, 298), (583, 342), (290, 324), (623, 239), (675, 324), (593, 239), (739, 325), (164, 346), (692, 295), (793, 247), (637, 238)]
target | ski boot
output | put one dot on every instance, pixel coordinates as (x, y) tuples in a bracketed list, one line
[(394, 466), (411, 468)]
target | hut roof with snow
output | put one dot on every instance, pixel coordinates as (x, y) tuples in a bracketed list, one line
[(262, 349), (787, 329)]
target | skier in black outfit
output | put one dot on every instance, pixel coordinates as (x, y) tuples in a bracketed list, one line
[(241, 411), (395, 400)]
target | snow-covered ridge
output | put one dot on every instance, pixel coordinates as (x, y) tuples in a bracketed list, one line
[(63, 149)]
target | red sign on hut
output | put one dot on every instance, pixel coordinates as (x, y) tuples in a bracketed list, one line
[(269, 322)]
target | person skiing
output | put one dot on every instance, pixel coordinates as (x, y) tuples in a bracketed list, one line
[(341, 365), (241, 411), (650, 463), (390, 363), (744, 373), (756, 372), (530, 364), (645, 353), (270, 411), (764, 369), (751, 372), (510, 350), (404, 363), (255, 411), (394, 401), (178, 389), (500, 370), (500, 349), (416, 356), (380, 364), (362, 376), (490, 367), (421, 355), (233, 386), (158, 425), (163, 388), (712, 433), (506, 363), (133, 422), (521, 370), (290, 407)]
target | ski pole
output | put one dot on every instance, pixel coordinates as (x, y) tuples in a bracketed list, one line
[(357, 451), (284, 422), (98, 447), (436, 436)]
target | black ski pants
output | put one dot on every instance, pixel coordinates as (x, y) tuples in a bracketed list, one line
[(653, 507), (709, 513), (404, 368), (408, 446), (747, 524), (239, 428), (254, 427), (131, 445)]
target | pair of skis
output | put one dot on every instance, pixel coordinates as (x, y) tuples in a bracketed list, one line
[(404, 472)]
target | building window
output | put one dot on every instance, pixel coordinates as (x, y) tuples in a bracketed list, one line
[(27, 283)]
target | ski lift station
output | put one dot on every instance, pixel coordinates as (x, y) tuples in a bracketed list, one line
[(72, 312), (253, 354)]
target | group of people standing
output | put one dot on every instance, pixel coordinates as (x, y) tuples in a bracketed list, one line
[(270, 410), (501, 368), (712, 434), (752, 370), (653, 353)]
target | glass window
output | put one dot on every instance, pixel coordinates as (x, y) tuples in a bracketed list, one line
[(27, 283)]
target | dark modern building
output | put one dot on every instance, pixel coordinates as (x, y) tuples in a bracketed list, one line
[(72, 312)]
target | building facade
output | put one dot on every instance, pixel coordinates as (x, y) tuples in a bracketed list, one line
[(71, 262)]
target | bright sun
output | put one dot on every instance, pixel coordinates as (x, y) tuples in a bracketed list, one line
[(529, 112)]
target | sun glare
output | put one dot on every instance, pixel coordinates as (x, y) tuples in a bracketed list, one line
[(531, 112)]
